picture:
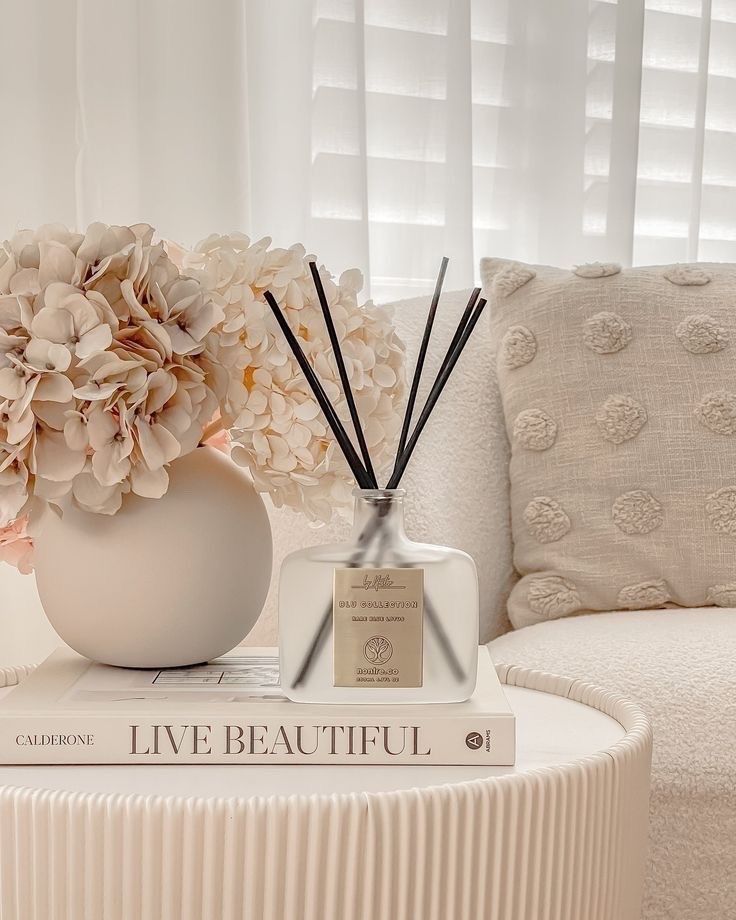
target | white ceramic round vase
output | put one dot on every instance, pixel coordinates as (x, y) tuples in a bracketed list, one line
[(167, 582)]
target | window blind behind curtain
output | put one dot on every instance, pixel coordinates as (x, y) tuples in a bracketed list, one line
[(381, 133), (556, 132)]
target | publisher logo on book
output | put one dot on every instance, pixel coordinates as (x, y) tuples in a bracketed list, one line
[(476, 741), (378, 650)]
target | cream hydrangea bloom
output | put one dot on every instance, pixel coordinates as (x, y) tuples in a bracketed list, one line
[(109, 361), (120, 354), (280, 434)]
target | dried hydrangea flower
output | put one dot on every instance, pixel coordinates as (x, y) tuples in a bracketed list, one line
[(119, 354), (280, 433)]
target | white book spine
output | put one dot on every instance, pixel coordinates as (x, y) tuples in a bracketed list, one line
[(137, 738)]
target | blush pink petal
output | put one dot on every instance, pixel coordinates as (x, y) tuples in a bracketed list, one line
[(12, 386), (54, 388), (157, 445), (149, 483), (16, 547), (53, 459), (97, 339), (54, 325), (57, 263)]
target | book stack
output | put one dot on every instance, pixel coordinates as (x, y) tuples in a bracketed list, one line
[(231, 710)]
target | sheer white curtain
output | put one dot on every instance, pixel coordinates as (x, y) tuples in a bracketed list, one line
[(381, 133)]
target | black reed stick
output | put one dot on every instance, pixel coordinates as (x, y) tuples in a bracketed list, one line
[(416, 379), (342, 371), (437, 388), (474, 295), (361, 476)]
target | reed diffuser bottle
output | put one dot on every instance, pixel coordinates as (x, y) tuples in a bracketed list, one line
[(380, 618)]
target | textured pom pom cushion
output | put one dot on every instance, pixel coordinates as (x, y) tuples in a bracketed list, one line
[(619, 397)]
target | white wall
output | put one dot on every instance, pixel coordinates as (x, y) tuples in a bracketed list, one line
[(26, 636)]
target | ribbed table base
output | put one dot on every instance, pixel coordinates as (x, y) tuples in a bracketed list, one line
[(559, 843)]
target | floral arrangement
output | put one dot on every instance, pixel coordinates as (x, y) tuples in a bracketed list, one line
[(120, 353)]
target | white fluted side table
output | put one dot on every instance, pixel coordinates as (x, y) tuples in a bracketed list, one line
[(560, 836)]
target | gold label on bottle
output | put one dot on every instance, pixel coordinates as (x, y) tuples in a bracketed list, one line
[(377, 617)]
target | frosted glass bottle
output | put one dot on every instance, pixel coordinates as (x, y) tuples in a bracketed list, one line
[(379, 619)]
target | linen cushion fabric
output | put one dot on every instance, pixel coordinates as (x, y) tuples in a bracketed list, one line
[(619, 397)]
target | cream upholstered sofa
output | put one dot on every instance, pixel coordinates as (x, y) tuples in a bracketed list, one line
[(679, 664)]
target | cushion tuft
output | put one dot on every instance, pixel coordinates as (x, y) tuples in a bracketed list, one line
[(606, 333), (597, 269), (535, 429), (700, 334), (518, 347), (652, 593), (512, 277), (552, 596), (686, 275), (620, 418)]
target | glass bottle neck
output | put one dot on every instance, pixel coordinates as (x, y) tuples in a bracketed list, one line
[(378, 509)]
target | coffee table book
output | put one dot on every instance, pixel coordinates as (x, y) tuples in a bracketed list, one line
[(73, 711)]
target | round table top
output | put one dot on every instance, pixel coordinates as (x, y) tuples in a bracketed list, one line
[(550, 730)]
